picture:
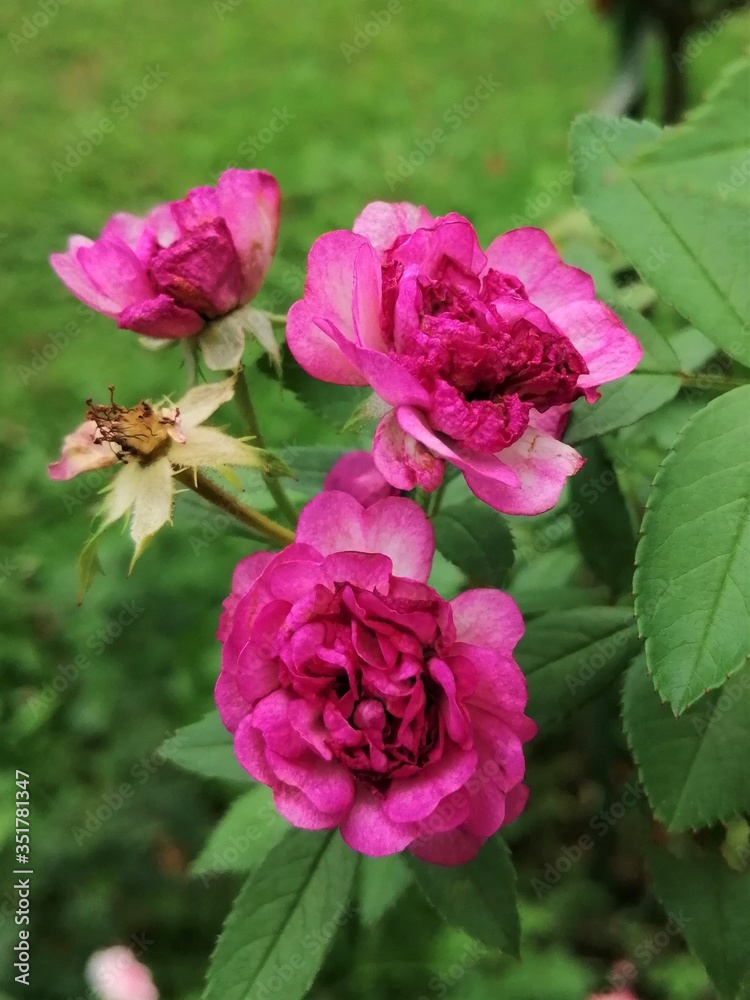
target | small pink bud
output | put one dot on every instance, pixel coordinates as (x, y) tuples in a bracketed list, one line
[(116, 974)]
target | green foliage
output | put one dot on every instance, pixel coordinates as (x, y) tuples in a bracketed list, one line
[(694, 768), (479, 896), (693, 578), (654, 383), (711, 905), (477, 540), (382, 882), (676, 202), (206, 748), (569, 657), (602, 520), (283, 921), (244, 836)]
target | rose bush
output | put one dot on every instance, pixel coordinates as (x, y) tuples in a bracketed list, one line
[(365, 700), (476, 355)]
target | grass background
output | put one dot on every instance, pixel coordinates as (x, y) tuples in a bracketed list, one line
[(229, 70)]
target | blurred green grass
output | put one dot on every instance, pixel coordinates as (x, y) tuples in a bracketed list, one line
[(230, 70)]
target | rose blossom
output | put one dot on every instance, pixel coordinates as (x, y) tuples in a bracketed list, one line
[(185, 263), (366, 701), (356, 474), (476, 355), (116, 974)]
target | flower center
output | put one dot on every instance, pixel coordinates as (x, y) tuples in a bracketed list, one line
[(140, 432), (487, 356)]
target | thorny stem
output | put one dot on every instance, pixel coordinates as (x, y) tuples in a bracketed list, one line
[(437, 499), (711, 381), (245, 403), (252, 519)]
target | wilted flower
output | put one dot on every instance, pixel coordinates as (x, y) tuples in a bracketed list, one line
[(150, 443), (185, 264), (116, 974), (478, 355), (356, 474), (366, 701)]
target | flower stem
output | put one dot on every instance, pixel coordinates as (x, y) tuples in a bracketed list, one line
[(279, 318), (711, 381), (437, 499), (245, 403), (252, 519)]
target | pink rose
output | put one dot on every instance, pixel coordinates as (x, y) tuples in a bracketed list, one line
[(366, 701), (478, 354), (356, 474), (116, 974), (183, 264)]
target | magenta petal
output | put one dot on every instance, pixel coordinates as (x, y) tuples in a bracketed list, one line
[(368, 830), (249, 749), (530, 255), (415, 798), (451, 237), (382, 222), (607, 347), (198, 207), (402, 460), (295, 806), (315, 351), (160, 317), (201, 270), (249, 201), (329, 289), (489, 618), (356, 473), (70, 271), (455, 847), (396, 527), (327, 784), (133, 230), (114, 269), (366, 570), (488, 466), (246, 572), (542, 465)]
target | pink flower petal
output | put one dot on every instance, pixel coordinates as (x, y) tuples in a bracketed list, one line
[(82, 452), (368, 830), (114, 269), (396, 527), (607, 347), (295, 806), (450, 236), (453, 848), (356, 473), (327, 784), (382, 222), (315, 351), (160, 317), (402, 460), (70, 271), (489, 618), (530, 255), (415, 798), (133, 230), (392, 382), (201, 270), (246, 572), (249, 201), (542, 465)]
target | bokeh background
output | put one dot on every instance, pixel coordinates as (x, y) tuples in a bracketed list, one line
[(335, 109)]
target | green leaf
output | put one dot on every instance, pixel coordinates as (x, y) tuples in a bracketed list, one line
[(569, 657), (89, 566), (695, 768), (675, 201), (601, 520), (284, 920), (710, 906), (479, 896), (334, 403), (654, 383), (477, 540), (245, 835), (692, 583), (206, 748), (311, 464), (383, 880)]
